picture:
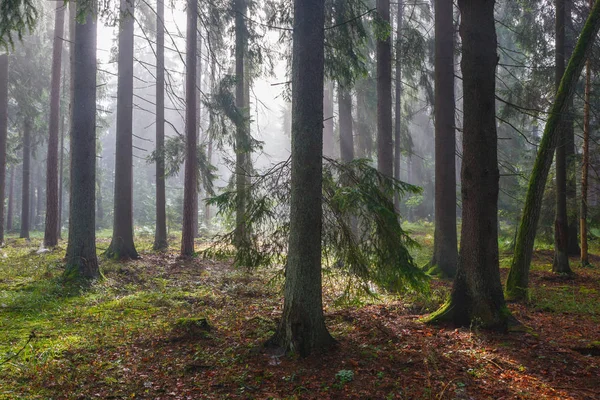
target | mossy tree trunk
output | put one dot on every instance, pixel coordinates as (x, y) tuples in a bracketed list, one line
[(302, 327), (81, 259), (518, 278), (445, 247), (477, 292)]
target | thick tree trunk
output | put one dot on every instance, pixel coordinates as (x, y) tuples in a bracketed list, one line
[(477, 292), (160, 236), (328, 119), (302, 327), (241, 135), (51, 226), (9, 211), (187, 234), (398, 104), (518, 277), (3, 135), (561, 237), (122, 245), (385, 142), (445, 253), (81, 259), (26, 179), (346, 131)]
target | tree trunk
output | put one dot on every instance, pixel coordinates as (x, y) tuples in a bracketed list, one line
[(561, 237), (199, 127), (241, 136), (585, 162), (122, 245), (99, 202), (60, 179), (3, 135), (328, 119), (9, 211), (209, 152), (477, 292), (81, 259), (39, 207), (160, 236), (346, 132), (187, 234), (445, 254), (398, 105), (302, 327), (518, 277), (385, 142), (51, 226), (26, 178)]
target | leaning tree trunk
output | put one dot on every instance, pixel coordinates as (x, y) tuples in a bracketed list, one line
[(81, 259), (25, 186), (398, 105), (160, 236), (561, 236), (302, 327), (3, 135), (122, 245), (385, 142), (477, 292), (187, 234), (445, 253), (51, 226), (585, 163), (345, 116), (518, 277)]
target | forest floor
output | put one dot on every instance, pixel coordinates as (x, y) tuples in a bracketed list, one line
[(161, 328)]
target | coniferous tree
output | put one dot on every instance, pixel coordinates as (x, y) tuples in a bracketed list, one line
[(585, 162), (122, 245), (26, 181), (3, 135), (302, 327), (52, 184), (81, 259), (385, 142), (398, 94)]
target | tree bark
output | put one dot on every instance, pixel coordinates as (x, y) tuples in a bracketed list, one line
[(199, 127), (61, 179), (187, 234), (328, 119), (477, 292), (561, 237), (398, 104), (39, 207), (81, 259), (3, 135), (9, 211), (518, 277), (302, 327), (51, 225), (385, 142), (585, 164), (26, 178), (445, 253), (160, 235), (122, 245)]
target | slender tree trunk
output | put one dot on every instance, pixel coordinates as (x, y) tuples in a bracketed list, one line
[(364, 138), (26, 178), (328, 119), (209, 154), (346, 132), (477, 292), (302, 327), (199, 127), (585, 161), (99, 202), (9, 211), (561, 237), (518, 277), (32, 187), (385, 142), (160, 236), (445, 253), (51, 226), (3, 136), (187, 234), (398, 105), (81, 259), (60, 179), (122, 245), (39, 207)]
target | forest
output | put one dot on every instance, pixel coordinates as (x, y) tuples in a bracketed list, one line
[(299, 199)]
